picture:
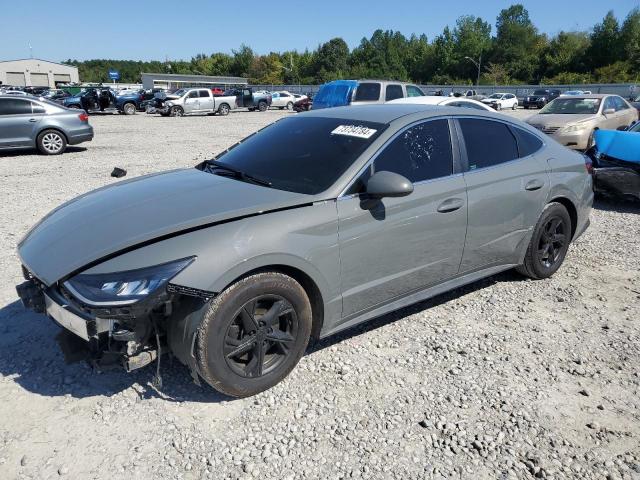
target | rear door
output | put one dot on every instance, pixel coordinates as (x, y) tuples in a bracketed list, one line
[(206, 100), (192, 102), (18, 122), (396, 246), (507, 186)]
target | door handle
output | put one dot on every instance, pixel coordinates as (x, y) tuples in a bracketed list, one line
[(450, 205), (33, 120), (534, 184)]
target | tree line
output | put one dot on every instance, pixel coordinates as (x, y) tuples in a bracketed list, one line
[(516, 53)]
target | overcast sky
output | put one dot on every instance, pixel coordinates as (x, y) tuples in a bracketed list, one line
[(153, 30)]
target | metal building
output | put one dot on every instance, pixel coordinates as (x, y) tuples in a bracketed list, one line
[(173, 80), (34, 72)]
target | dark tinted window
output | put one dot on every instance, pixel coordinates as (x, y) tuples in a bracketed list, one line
[(419, 153), (367, 92), (305, 155), (204, 94), (527, 142), (488, 143), (14, 106), (393, 92)]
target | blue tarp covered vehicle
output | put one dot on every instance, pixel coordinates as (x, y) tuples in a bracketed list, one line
[(334, 94), (616, 162)]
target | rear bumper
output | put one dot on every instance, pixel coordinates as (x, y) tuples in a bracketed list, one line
[(80, 135)]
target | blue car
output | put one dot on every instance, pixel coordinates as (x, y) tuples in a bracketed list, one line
[(616, 162)]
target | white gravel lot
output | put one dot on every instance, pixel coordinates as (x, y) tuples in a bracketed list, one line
[(505, 378)]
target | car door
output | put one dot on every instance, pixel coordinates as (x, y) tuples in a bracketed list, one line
[(192, 102), (395, 246), (507, 180), (206, 100), (609, 121), (17, 122)]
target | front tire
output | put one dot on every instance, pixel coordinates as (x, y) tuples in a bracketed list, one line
[(176, 111), (51, 142), (549, 243), (253, 334), (129, 109), (290, 106)]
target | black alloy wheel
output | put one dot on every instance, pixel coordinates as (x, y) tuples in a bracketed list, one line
[(258, 339), (552, 241)]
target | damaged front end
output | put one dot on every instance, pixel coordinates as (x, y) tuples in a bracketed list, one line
[(117, 319)]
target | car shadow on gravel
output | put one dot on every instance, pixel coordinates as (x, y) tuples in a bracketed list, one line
[(507, 276), (620, 205), (32, 151), (31, 357)]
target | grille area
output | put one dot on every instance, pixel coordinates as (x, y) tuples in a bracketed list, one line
[(546, 129)]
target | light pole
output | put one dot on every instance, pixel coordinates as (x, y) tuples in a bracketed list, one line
[(478, 64)]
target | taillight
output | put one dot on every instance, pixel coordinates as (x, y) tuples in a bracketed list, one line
[(83, 117)]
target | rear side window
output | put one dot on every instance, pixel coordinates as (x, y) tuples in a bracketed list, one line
[(422, 152), (393, 92), (413, 91), (14, 106), (367, 92), (37, 108), (488, 143), (528, 143)]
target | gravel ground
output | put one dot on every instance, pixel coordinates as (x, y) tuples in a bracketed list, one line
[(506, 378)]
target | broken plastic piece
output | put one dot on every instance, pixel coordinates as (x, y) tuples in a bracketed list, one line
[(118, 172)]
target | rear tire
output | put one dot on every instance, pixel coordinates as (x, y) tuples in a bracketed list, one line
[(253, 334), (549, 243), (51, 142), (224, 110)]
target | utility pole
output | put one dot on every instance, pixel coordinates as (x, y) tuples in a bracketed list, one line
[(478, 65)]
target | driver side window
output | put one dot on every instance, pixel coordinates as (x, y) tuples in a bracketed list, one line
[(419, 153)]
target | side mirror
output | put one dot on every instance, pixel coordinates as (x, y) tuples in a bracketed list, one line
[(609, 111), (388, 184)]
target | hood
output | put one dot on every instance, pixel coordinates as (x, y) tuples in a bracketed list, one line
[(619, 145), (558, 119), (128, 213)]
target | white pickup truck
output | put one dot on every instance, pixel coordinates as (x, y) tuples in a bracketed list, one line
[(190, 101)]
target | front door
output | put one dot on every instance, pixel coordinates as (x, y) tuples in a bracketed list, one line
[(17, 122), (507, 186), (192, 102), (396, 246)]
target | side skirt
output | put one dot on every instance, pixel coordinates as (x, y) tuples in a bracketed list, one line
[(418, 297)]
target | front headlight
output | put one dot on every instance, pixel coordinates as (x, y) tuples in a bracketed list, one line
[(123, 288), (169, 104), (574, 128)]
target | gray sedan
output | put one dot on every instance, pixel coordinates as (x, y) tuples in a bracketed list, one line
[(312, 225), (30, 122)]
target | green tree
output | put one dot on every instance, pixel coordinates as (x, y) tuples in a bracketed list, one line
[(471, 38), (606, 43), (331, 60), (630, 39), (242, 61), (566, 52), (267, 70)]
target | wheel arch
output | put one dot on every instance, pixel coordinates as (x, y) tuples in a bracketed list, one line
[(571, 208), (50, 127), (307, 282)]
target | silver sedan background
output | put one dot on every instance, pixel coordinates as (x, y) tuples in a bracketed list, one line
[(30, 122), (308, 227)]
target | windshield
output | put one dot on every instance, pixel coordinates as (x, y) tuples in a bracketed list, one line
[(496, 95), (572, 106), (540, 92), (180, 92), (303, 155), (635, 128)]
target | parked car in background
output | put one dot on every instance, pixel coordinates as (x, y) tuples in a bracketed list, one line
[(218, 92), (282, 99), (18, 93), (615, 159), (55, 94), (362, 92), (303, 105), (35, 91), (471, 94), (572, 121), (308, 227), (29, 122), (247, 98), (189, 101), (501, 101), (91, 99), (539, 98), (444, 101)]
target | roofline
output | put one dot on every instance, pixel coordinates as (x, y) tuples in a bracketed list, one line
[(39, 59)]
